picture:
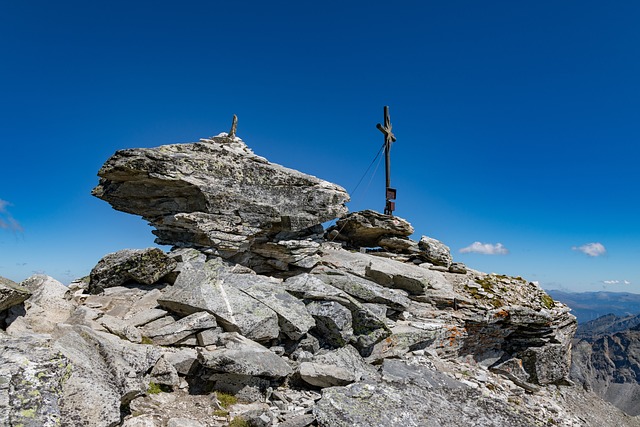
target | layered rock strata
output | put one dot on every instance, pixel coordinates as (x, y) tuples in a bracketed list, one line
[(217, 194)]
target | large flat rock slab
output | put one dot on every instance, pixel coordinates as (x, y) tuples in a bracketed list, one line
[(215, 193), (211, 286)]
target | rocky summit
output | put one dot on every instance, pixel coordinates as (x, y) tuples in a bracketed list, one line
[(257, 317), (217, 195)]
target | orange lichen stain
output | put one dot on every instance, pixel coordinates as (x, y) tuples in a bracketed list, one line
[(454, 334), (501, 314)]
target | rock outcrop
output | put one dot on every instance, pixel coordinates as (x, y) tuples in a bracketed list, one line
[(217, 195), (329, 337)]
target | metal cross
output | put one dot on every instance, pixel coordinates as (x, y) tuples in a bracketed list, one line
[(389, 137)]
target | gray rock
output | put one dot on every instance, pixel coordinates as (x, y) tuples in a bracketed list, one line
[(11, 293), (213, 287), (215, 194), (363, 289), (334, 322), (458, 268), (107, 372), (389, 404), (208, 336), (367, 327), (154, 325), (298, 253), (31, 378), (514, 370), (347, 358), (399, 245), (293, 317), (385, 272), (324, 375), (404, 338), (182, 328), (44, 309), (121, 328), (183, 359), (435, 251), (410, 278), (255, 414), (145, 316), (183, 422), (144, 266), (298, 421), (243, 357), (164, 372), (366, 228), (245, 387)]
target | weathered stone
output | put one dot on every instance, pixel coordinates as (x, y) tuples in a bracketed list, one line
[(399, 245), (245, 387), (44, 309), (347, 358), (164, 372), (183, 422), (394, 404), (404, 337), (145, 316), (182, 328), (107, 372), (144, 266), (514, 370), (299, 421), (366, 228), (385, 272), (367, 327), (324, 375), (215, 194), (435, 251), (245, 360), (11, 293), (184, 359), (293, 317), (333, 322), (401, 372), (212, 287), (363, 289), (256, 414), (154, 325), (208, 336), (458, 268), (298, 253), (121, 328), (31, 378)]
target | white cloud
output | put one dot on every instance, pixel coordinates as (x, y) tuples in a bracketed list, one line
[(485, 249), (591, 249), (6, 220), (616, 282)]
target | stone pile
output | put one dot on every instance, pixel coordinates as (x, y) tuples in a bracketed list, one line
[(371, 230), (197, 337)]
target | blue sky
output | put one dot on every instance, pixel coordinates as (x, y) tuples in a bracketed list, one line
[(517, 122)]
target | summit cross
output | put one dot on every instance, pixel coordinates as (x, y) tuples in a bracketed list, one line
[(389, 137)]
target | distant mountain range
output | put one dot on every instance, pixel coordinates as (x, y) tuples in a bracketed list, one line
[(588, 306)]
